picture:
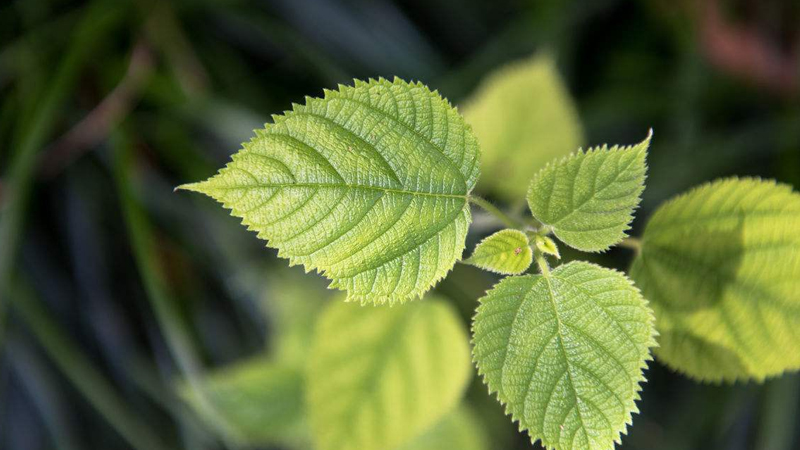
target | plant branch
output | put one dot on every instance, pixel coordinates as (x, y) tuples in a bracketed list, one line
[(496, 212)]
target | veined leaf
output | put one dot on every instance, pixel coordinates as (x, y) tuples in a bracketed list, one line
[(459, 429), (506, 252), (260, 402), (368, 185), (523, 117), (380, 376), (721, 266), (565, 353), (588, 198)]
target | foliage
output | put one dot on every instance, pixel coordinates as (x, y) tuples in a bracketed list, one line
[(721, 267), (523, 117), (369, 185), (506, 252)]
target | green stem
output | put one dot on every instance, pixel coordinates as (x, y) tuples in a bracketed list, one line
[(495, 211), (87, 379), (632, 243), (541, 262)]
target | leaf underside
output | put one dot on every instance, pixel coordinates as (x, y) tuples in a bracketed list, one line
[(380, 376), (523, 117), (588, 198), (565, 353), (721, 267), (368, 185), (505, 252)]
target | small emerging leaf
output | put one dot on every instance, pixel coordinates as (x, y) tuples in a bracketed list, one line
[(523, 116), (588, 199), (721, 266), (547, 246), (380, 376), (565, 353), (506, 252), (368, 185)]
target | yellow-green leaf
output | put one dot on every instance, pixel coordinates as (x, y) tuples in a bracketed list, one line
[(523, 117), (458, 430), (721, 268), (380, 376), (368, 185), (565, 353), (506, 252), (588, 198)]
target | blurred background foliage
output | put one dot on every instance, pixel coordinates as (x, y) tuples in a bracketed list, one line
[(120, 300)]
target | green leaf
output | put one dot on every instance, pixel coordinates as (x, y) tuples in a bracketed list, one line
[(506, 252), (523, 117), (546, 245), (459, 429), (588, 198), (721, 266), (380, 376), (258, 401), (368, 185), (565, 353)]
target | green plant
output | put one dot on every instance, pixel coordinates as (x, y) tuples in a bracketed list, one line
[(371, 186)]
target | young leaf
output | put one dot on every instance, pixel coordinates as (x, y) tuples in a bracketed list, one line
[(258, 401), (380, 376), (721, 266), (506, 252), (368, 185), (588, 199), (565, 353), (523, 117)]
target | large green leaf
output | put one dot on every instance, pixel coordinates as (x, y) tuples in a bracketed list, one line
[(368, 185), (565, 353), (588, 199), (506, 252), (380, 376), (721, 266), (523, 117), (256, 402)]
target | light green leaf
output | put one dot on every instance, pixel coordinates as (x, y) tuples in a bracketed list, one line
[(380, 376), (588, 199), (505, 252), (546, 245), (721, 266), (368, 185), (258, 402), (523, 117), (565, 353), (458, 430)]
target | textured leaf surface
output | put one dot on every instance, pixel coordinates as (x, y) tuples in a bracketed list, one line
[(565, 353), (721, 267), (523, 117), (458, 430), (368, 185), (588, 198), (380, 376), (506, 252), (258, 401)]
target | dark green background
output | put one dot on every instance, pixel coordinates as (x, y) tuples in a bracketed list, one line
[(104, 270)]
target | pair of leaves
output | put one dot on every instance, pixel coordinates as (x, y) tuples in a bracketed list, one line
[(378, 376), (721, 267), (565, 353)]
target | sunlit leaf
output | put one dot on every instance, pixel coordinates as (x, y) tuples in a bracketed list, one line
[(506, 252), (458, 430), (588, 198), (368, 185), (523, 117), (380, 376), (721, 267), (565, 353)]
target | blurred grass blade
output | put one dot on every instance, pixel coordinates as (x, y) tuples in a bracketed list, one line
[(80, 371), (97, 21)]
